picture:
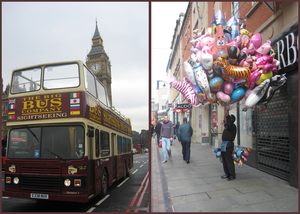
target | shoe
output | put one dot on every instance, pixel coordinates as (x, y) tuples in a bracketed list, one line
[(164, 161), (224, 176), (230, 178), (187, 161)]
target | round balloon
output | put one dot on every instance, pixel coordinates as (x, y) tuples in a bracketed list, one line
[(237, 94), (216, 84), (223, 98), (228, 88)]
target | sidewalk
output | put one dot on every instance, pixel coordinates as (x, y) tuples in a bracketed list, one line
[(197, 187)]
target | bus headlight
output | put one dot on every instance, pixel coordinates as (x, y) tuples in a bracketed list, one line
[(67, 182), (8, 180), (16, 180), (77, 182)]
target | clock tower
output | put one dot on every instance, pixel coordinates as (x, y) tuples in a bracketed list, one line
[(98, 62)]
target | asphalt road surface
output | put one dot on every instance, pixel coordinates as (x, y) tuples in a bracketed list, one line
[(129, 195)]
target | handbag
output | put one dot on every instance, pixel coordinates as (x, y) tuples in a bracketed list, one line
[(159, 146)]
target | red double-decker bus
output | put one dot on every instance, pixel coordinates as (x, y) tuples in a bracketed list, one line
[(65, 142)]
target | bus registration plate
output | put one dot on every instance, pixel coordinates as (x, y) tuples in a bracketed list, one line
[(39, 196)]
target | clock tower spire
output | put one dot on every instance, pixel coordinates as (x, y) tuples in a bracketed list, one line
[(98, 62)]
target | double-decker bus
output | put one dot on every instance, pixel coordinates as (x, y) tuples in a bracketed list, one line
[(65, 142)]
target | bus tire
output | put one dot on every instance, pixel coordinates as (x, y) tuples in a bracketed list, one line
[(104, 184)]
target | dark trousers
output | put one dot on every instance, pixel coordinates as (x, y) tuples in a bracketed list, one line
[(157, 136), (186, 150), (228, 164)]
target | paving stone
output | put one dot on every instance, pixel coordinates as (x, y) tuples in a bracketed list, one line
[(252, 198), (280, 205), (223, 193)]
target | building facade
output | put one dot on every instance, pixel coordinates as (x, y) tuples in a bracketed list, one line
[(272, 134)]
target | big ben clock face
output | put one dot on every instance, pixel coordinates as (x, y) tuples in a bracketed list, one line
[(95, 68)]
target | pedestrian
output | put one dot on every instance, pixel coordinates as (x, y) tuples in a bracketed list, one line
[(157, 130), (152, 130), (176, 128), (227, 146), (166, 136), (185, 132)]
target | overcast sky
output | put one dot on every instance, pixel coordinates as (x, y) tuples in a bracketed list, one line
[(163, 22), (35, 33)]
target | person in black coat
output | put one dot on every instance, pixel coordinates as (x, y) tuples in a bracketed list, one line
[(227, 146), (157, 130), (185, 132)]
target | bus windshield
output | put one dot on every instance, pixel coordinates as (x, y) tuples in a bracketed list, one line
[(55, 142), (26, 80)]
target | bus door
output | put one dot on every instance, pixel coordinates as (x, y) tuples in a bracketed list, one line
[(114, 171), (91, 166)]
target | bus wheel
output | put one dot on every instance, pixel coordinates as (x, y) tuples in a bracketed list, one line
[(104, 184)]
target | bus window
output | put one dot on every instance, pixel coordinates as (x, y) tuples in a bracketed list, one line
[(128, 145), (61, 76), (104, 141), (61, 142), (97, 143), (89, 80), (119, 144), (124, 145), (101, 93), (26, 80)]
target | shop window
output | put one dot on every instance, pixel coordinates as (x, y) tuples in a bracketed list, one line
[(247, 127)]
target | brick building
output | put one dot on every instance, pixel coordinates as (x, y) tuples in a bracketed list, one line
[(271, 134)]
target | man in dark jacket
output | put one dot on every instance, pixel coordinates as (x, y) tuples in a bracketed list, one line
[(166, 136), (227, 146), (185, 132), (157, 130)]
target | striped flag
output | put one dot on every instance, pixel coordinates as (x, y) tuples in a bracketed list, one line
[(12, 106), (11, 112), (11, 117), (74, 95), (74, 112), (76, 106)]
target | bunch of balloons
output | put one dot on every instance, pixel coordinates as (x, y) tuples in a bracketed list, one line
[(227, 64), (240, 155), (218, 154)]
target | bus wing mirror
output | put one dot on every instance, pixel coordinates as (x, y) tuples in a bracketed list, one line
[(90, 133)]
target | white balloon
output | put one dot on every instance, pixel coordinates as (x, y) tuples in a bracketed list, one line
[(188, 70)]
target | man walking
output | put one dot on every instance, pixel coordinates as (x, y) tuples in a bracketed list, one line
[(157, 130), (227, 146), (185, 132), (166, 136)]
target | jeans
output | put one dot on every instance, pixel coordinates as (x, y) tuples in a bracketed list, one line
[(166, 147)]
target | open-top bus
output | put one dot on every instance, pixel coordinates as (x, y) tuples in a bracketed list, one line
[(65, 141)]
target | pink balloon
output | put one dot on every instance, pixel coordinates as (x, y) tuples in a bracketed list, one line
[(228, 88), (223, 98)]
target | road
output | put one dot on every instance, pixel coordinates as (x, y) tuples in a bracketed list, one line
[(130, 195)]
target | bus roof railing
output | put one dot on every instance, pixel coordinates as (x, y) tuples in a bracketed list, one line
[(121, 115)]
